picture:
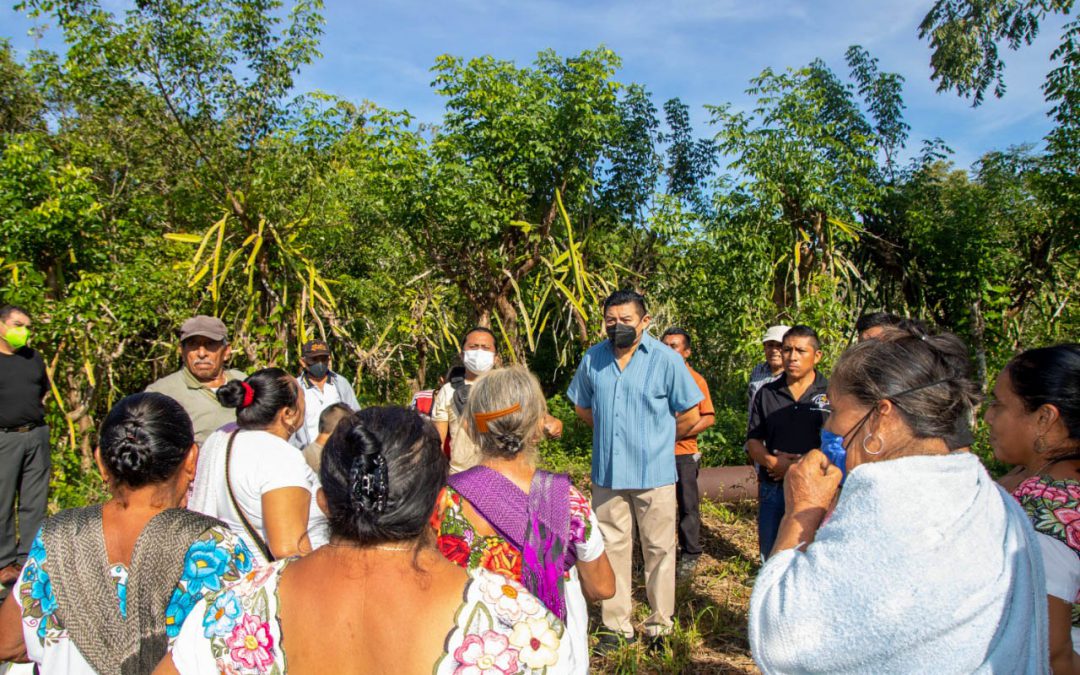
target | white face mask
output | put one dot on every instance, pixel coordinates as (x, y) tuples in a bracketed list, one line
[(478, 360)]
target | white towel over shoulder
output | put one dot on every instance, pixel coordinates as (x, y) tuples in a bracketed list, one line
[(926, 566)]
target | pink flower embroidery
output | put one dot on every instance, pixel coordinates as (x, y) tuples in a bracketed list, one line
[(1036, 488), (1070, 518), (251, 644), (486, 654)]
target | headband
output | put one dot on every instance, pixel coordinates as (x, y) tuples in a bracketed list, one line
[(944, 380), (482, 419), (249, 395)]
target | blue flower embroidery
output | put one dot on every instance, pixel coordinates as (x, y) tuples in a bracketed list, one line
[(121, 595), (204, 566), (180, 606), (42, 591), (242, 557), (37, 549), (221, 615)]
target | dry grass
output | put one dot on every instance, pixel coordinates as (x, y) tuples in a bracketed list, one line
[(710, 632)]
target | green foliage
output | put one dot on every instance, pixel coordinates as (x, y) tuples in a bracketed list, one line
[(966, 35)]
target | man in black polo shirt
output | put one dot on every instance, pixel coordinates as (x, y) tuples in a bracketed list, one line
[(24, 442), (785, 423)]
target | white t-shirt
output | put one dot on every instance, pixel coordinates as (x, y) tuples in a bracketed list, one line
[(316, 401), (1062, 574), (261, 462), (463, 452)]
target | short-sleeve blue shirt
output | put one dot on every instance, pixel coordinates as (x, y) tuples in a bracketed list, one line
[(634, 412)]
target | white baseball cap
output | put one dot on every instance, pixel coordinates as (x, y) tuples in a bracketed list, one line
[(775, 334)]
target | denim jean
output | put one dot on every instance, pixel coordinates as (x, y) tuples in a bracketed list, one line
[(770, 513)]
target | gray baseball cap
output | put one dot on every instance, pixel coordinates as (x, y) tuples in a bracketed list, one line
[(206, 326)]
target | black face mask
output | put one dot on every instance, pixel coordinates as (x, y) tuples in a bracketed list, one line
[(318, 370), (621, 335)]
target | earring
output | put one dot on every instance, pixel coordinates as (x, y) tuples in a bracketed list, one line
[(881, 444), (1040, 446)]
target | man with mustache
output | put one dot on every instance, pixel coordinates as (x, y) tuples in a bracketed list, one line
[(204, 346)]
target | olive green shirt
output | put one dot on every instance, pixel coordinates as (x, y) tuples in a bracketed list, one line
[(207, 415)]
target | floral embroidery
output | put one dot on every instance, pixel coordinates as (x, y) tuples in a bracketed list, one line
[(119, 575), (221, 615), (487, 654), (500, 557), (217, 558), (580, 512), (251, 644), (459, 542), (1068, 518), (500, 620), (537, 643), (1054, 509), (510, 599), (238, 623), (455, 549), (180, 605), (204, 565), (37, 596)]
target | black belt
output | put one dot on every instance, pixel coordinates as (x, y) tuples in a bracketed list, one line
[(22, 429)]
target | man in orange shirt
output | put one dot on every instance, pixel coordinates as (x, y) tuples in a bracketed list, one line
[(687, 459)]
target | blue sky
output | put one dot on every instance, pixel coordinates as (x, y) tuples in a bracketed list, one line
[(703, 51)]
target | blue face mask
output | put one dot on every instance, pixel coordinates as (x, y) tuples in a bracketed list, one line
[(833, 447)]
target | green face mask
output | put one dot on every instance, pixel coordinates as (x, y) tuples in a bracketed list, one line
[(16, 336)]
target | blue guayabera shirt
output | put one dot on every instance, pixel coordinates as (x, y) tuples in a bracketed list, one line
[(634, 412)]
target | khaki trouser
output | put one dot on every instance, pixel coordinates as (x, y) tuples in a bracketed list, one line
[(656, 513)]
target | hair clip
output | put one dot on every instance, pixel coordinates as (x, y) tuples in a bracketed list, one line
[(249, 395), (369, 490), (482, 419)]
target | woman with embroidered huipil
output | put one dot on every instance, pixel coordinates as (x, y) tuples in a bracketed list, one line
[(1034, 421), (379, 598), (528, 525), (107, 587)]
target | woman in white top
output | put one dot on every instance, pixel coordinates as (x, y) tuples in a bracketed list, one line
[(252, 478)]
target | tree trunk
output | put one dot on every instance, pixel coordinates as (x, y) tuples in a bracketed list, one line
[(508, 315)]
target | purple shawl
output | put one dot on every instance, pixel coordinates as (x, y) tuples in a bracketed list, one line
[(537, 524)]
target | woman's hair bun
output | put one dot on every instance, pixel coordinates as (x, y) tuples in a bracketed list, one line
[(144, 439), (231, 394), (130, 454), (260, 397)]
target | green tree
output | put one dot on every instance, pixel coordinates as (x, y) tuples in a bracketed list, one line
[(513, 143), (806, 157), (966, 38)]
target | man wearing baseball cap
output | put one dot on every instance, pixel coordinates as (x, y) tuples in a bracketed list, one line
[(322, 388), (204, 346), (773, 366)]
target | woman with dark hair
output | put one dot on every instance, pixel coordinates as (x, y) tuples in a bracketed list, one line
[(107, 587), (252, 478), (528, 525), (925, 565), (379, 598), (1034, 420)]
